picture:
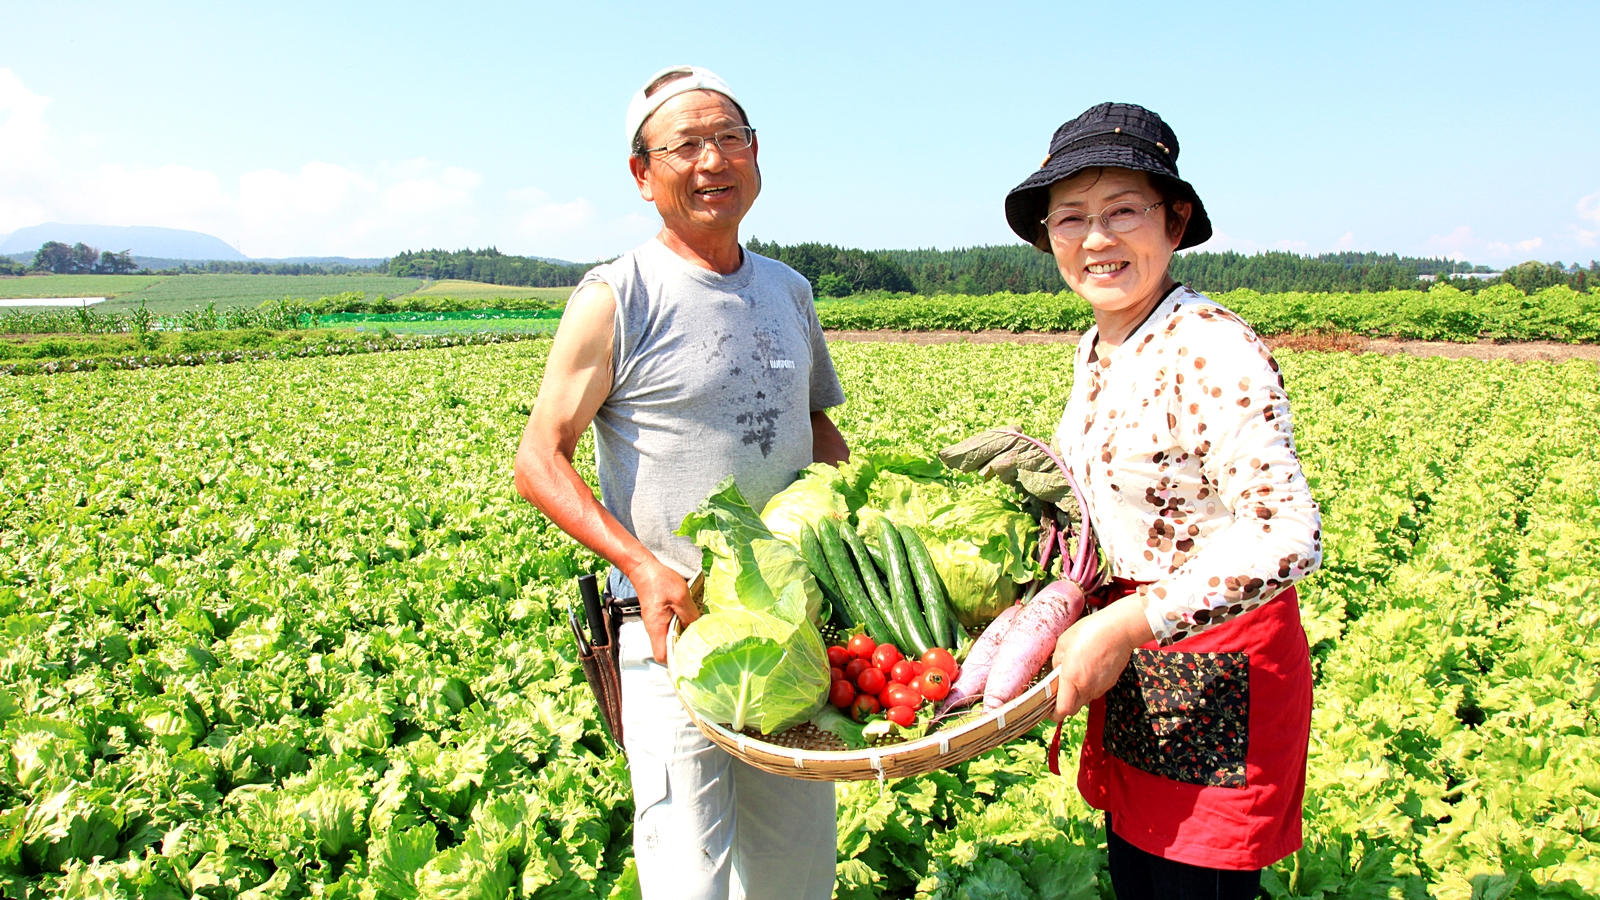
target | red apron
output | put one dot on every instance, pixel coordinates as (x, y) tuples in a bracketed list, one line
[(1199, 750)]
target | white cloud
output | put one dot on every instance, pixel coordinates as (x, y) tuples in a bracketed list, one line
[(1501, 249), (169, 196), (23, 131), (321, 208), (1348, 242), (1458, 244), (1589, 211)]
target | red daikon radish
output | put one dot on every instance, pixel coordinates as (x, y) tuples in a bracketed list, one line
[(1030, 641), (975, 671)]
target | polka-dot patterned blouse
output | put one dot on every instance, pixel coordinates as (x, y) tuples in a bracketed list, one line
[(1181, 439)]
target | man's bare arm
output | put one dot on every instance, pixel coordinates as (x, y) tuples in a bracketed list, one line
[(827, 443), (577, 380)]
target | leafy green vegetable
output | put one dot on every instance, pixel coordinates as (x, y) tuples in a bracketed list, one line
[(366, 509), (749, 567), (980, 541), (831, 718), (744, 668), (818, 492)]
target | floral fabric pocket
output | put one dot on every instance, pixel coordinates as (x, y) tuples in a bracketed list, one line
[(1183, 716)]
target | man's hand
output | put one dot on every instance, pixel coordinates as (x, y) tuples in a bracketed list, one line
[(662, 594), (1093, 652)]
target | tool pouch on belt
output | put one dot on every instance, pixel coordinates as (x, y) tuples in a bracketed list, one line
[(602, 669)]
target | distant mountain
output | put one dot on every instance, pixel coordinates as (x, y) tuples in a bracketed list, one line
[(360, 262), (143, 240)]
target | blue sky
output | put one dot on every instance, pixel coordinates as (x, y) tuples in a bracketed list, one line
[(362, 129)]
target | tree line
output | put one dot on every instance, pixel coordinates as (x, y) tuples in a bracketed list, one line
[(488, 265), (835, 271), (78, 259), (842, 271), (57, 258), (257, 267)]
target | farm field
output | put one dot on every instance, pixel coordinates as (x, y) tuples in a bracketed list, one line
[(284, 628), (108, 286), (475, 290), (166, 295), (489, 321)]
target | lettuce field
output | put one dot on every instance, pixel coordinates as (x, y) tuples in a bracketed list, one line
[(283, 629)]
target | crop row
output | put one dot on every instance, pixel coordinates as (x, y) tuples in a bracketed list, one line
[(1440, 314), (276, 315), (1443, 313), (197, 349), (284, 629)]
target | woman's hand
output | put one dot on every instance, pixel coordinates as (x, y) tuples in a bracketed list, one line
[(1093, 652)]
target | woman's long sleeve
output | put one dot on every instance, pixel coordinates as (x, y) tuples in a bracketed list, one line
[(1228, 409)]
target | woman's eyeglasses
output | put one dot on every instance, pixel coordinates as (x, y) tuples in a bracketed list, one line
[(1071, 224)]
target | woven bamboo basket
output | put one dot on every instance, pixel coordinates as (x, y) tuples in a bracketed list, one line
[(809, 753)]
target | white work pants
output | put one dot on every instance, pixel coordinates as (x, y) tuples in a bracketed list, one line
[(705, 825)]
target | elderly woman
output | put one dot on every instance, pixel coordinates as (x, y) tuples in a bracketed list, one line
[(1194, 666)]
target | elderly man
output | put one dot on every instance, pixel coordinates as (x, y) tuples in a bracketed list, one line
[(694, 359)]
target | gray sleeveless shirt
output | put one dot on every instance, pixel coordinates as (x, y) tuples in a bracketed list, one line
[(712, 375)]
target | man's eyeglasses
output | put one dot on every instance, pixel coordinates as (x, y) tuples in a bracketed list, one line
[(1072, 224), (689, 149)]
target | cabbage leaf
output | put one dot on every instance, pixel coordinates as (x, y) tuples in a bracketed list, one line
[(818, 493), (747, 668), (748, 567)]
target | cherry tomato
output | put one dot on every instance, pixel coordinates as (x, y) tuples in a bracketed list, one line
[(835, 674), (862, 645), (956, 675), (940, 658), (838, 657), (915, 684), (900, 695), (902, 672), (864, 706), (841, 694), (855, 668), (902, 715), (935, 684), (886, 656), (871, 681), (918, 666)]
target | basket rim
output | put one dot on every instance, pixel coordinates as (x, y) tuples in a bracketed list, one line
[(872, 756)]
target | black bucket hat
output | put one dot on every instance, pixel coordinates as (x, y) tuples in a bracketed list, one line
[(1110, 134)]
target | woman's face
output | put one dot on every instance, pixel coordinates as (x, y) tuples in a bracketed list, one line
[(1114, 271)]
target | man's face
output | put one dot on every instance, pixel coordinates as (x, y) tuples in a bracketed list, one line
[(712, 194)]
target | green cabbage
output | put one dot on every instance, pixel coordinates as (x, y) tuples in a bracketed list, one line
[(747, 668), (748, 567), (817, 493)]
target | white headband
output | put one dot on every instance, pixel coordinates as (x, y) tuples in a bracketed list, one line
[(695, 79)]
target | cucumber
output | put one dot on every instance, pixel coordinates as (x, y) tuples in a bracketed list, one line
[(935, 602), (876, 592), (850, 589), (811, 552), (902, 590), (878, 559)]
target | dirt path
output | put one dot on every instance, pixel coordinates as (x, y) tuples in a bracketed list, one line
[(1546, 351)]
